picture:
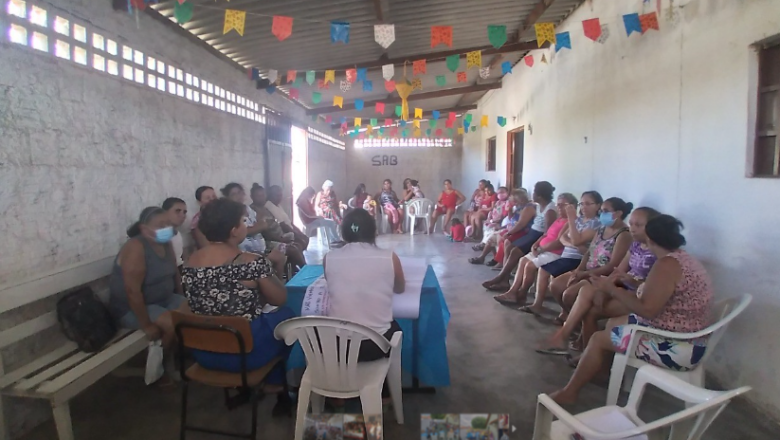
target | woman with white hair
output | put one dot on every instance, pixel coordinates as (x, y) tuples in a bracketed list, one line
[(327, 203)]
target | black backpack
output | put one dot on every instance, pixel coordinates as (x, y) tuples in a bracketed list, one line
[(85, 320)]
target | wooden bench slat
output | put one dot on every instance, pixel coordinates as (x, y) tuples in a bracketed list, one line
[(41, 362), (27, 328), (52, 371)]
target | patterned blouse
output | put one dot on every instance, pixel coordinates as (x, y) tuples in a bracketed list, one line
[(640, 261), (600, 251), (328, 206), (218, 291)]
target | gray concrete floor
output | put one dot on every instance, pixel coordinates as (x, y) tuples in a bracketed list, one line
[(493, 366)]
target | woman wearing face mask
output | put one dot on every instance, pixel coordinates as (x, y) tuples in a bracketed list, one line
[(145, 284), (254, 241), (203, 195), (177, 213)]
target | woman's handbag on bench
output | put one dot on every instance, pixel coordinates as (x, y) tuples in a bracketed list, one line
[(85, 320)]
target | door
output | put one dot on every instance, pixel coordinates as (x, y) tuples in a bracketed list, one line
[(300, 167), (515, 151)]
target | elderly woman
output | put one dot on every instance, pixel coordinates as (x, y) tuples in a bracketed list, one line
[(676, 297), (311, 221), (327, 203), (254, 241)]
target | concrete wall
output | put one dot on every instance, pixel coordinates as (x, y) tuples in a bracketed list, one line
[(665, 120), (328, 163)]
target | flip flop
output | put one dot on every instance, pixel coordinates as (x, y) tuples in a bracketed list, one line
[(572, 361), (558, 321), (491, 263), (530, 311), (505, 302), (554, 351), (497, 268), (476, 260), (498, 287)]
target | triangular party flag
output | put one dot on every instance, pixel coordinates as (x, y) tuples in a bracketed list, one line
[(322, 85), (544, 59), (361, 74), (359, 104), (484, 72), (441, 80), (398, 110), (368, 86), (474, 59), (460, 130), (388, 122), (370, 129), (506, 67), (330, 76), (435, 114), (382, 130), (311, 76), (234, 20), (563, 40), (271, 89), (592, 28), (529, 60), (390, 86), (273, 74), (292, 75), (501, 121), (449, 123), (649, 21), (388, 70), (441, 35), (439, 132), (484, 121), (343, 119), (417, 84), (339, 31), (450, 132), (298, 81), (452, 116), (633, 24), (338, 101), (416, 123), (344, 126), (282, 27), (497, 35), (419, 67), (254, 73), (380, 108), (462, 77), (468, 118), (374, 122), (358, 122), (545, 32), (405, 133), (466, 125), (402, 123), (351, 75), (428, 132), (384, 34), (453, 62), (417, 133), (138, 4), (604, 34), (344, 85), (473, 128), (294, 93), (316, 97), (418, 112), (328, 119), (432, 123), (182, 12)]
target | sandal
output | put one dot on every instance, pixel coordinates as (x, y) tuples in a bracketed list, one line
[(479, 247), (559, 321), (554, 351), (505, 302), (498, 268), (572, 361), (491, 263), (531, 311), (498, 287), (476, 260)]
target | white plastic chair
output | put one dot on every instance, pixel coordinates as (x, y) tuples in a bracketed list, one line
[(422, 209), (333, 371), (723, 312), (351, 203), (383, 226), (614, 422), (440, 220)]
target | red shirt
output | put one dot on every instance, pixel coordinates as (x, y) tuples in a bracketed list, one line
[(489, 201), (458, 232)]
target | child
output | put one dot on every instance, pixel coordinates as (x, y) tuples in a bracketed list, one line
[(418, 194), (369, 205), (458, 231)]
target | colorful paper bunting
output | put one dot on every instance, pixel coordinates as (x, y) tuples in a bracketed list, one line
[(417, 84), (529, 60), (370, 129), (632, 23), (545, 32), (234, 20), (452, 116), (435, 114), (441, 80), (501, 121), (398, 110), (450, 132), (390, 86), (273, 74), (380, 108), (358, 122), (374, 122), (428, 132), (294, 93), (497, 35), (484, 72), (402, 123), (484, 121), (388, 122), (441, 35), (384, 34), (474, 59), (322, 85), (439, 132), (182, 12), (462, 77), (345, 86), (311, 76), (330, 76), (368, 86), (359, 104), (416, 123), (282, 27), (417, 133), (316, 97), (592, 28), (338, 101), (468, 118), (388, 71), (649, 21), (432, 123), (292, 75), (419, 67), (449, 123), (453, 62), (298, 81), (271, 89), (328, 119), (563, 40), (404, 90), (473, 128), (460, 130), (339, 31), (351, 75), (361, 74), (605, 32), (506, 67), (418, 112)]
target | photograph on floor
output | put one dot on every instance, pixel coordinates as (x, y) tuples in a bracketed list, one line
[(479, 426), (439, 426), (374, 427), (324, 427), (354, 427)]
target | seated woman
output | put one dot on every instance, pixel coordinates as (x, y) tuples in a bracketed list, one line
[(475, 201), (327, 203), (479, 216), (546, 250), (676, 297), (544, 217), (275, 237), (359, 198), (223, 280), (203, 195), (407, 194), (275, 197), (145, 284), (517, 225), (631, 272), (448, 202), (311, 220), (390, 203), (177, 214), (493, 223), (254, 241)]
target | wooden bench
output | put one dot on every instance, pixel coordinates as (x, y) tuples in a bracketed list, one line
[(65, 372)]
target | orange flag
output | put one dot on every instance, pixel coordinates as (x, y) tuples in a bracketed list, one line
[(441, 35)]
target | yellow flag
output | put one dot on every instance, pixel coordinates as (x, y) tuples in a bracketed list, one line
[(404, 90), (330, 76), (339, 101), (460, 130), (484, 121), (545, 32), (370, 129), (417, 133), (418, 113), (416, 123), (358, 122), (474, 59), (234, 20)]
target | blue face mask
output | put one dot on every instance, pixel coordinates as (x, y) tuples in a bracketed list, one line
[(607, 219), (163, 235)]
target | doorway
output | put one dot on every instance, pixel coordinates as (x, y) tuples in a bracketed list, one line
[(515, 143), (300, 167)]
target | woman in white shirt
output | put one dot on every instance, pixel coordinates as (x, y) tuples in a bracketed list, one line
[(176, 210), (362, 279)]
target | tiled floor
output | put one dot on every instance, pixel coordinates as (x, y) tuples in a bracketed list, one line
[(493, 366)]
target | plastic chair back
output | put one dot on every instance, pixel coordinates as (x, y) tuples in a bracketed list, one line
[(351, 203), (218, 334), (419, 207), (723, 312)]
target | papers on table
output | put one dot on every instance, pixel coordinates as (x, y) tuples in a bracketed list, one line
[(610, 421), (315, 302)]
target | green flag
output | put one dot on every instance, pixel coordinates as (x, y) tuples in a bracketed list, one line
[(441, 80), (453, 62), (473, 128), (298, 81), (310, 75), (316, 97), (450, 132), (374, 122), (182, 12), (497, 35), (428, 132), (432, 123), (398, 110), (467, 118)]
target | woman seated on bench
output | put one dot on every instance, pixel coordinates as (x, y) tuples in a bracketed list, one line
[(221, 280), (676, 297), (204, 195), (145, 283)]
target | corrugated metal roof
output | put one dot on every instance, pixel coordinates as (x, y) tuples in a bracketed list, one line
[(309, 47)]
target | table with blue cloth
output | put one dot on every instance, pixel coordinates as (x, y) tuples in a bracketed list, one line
[(424, 349)]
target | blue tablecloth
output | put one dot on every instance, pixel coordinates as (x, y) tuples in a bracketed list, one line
[(433, 368)]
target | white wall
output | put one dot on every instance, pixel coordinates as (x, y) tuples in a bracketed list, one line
[(328, 163), (667, 117)]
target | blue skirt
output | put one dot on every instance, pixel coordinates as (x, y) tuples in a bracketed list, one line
[(264, 348), (525, 242)]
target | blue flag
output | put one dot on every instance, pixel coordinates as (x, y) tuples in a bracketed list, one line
[(358, 104), (402, 123), (506, 67), (361, 74), (368, 86), (633, 24), (271, 89), (435, 114), (562, 40), (501, 121), (466, 125), (339, 31)]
